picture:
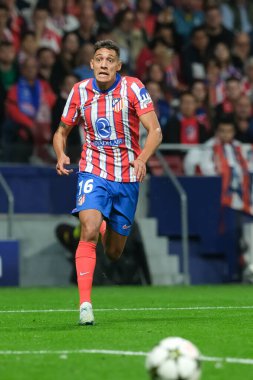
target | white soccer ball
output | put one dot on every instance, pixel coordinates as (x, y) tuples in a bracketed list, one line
[(174, 359)]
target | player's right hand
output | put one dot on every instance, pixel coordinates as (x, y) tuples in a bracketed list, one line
[(60, 166)]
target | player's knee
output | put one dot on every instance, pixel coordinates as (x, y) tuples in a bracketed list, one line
[(113, 253), (89, 232)]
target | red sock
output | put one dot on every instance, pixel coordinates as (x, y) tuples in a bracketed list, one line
[(85, 265), (102, 231)]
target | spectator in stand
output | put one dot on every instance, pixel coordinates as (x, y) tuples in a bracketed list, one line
[(84, 56), (151, 53), (145, 18), (88, 25), (241, 50), (166, 32), (233, 92), (46, 34), (110, 8), (130, 39), (75, 139), (195, 55), (166, 6), (226, 157), (223, 155), (28, 46), (65, 61), (60, 19), (155, 73), (215, 28), (186, 18), (104, 33), (199, 91), (215, 84), (28, 117), (6, 34), (8, 65), (8, 75), (162, 107), (72, 7), (247, 83), (165, 14), (184, 127), (16, 22), (223, 56), (165, 72), (46, 58), (244, 120), (238, 15)]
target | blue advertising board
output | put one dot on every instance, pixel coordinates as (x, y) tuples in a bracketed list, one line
[(9, 263)]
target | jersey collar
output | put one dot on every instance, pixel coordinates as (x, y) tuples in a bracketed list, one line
[(96, 88)]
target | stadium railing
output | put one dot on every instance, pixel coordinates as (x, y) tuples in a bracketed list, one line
[(10, 212), (183, 202)]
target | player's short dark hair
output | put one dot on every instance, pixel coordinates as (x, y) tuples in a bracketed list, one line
[(107, 44)]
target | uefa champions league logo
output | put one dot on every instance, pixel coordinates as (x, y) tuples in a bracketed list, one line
[(103, 127)]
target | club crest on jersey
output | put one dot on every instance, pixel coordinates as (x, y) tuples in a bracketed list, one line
[(191, 132), (117, 104), (103, 127), (80, 200)]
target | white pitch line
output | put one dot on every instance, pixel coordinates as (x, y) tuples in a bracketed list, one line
[(134, 309), (119, 353)]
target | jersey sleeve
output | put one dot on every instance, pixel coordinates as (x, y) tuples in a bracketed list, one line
[(70, 115), (140, 97)]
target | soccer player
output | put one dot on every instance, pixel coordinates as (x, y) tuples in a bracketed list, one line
[(109, 108)]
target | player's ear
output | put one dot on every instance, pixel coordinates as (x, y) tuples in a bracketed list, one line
[(119, 66), (91, 64)]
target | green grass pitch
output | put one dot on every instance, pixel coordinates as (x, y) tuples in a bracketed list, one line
[(40, 345)]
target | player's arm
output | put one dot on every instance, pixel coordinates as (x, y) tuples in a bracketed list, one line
[(154, 138), (59, 144)]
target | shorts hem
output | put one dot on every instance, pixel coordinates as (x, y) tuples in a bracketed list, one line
[(75, 212)]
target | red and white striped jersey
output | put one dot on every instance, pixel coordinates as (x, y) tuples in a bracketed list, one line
[(110, 120)]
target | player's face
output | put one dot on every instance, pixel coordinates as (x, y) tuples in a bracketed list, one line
[(105, 65)]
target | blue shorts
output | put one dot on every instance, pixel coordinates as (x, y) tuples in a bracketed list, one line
[(116, 201)]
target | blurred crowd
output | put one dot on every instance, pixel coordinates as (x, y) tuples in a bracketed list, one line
[(194, 56)]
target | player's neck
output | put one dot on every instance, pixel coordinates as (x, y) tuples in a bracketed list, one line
[(106, 86)]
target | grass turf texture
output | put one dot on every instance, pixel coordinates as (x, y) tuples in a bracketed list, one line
[(216, 332)]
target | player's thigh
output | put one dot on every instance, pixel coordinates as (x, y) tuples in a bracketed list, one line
[(92, 194), (93, 202), (123, 209)]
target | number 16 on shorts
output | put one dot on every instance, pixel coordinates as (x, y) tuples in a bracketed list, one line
[(85, 187)]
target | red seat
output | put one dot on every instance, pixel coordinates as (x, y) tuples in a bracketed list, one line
[(155, 166), (175, 163)]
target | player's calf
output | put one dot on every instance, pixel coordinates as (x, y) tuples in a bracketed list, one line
[(113, 253)]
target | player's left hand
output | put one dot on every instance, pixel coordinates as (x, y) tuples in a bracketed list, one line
[(139, 168)]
